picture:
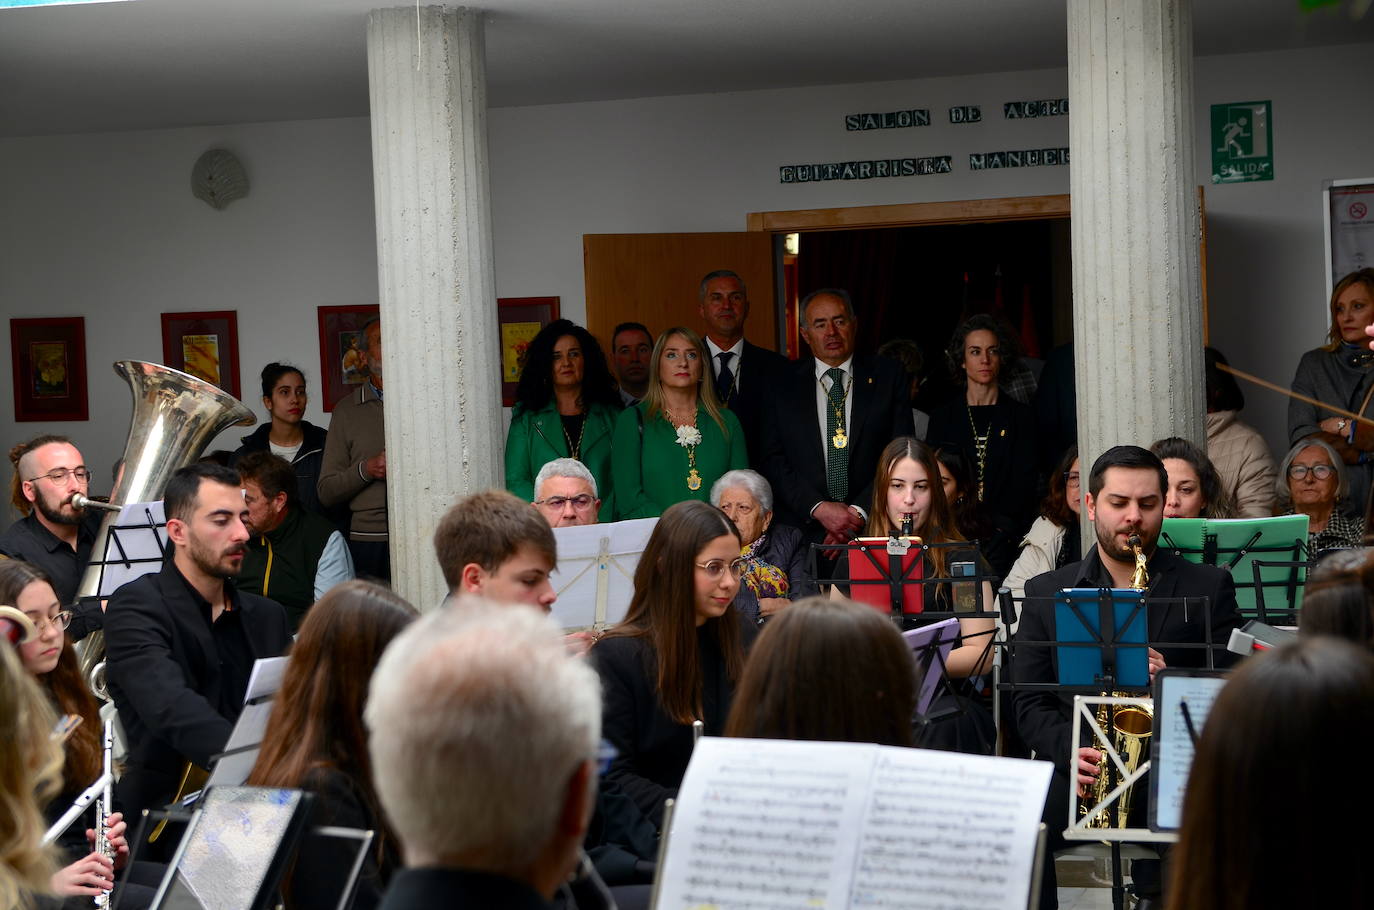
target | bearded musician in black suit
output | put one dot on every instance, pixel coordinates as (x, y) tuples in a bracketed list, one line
[(828, 422)]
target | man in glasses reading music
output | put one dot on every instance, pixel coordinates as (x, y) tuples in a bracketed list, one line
[(55, 534), (565, 494)]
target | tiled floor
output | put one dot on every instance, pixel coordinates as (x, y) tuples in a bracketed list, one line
[(1084, 884)]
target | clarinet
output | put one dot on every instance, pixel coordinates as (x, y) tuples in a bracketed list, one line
[(103, 809)]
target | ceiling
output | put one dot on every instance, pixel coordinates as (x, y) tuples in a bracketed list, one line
[(163, 63)]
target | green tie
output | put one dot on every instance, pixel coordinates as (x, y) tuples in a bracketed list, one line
[(836, 460)]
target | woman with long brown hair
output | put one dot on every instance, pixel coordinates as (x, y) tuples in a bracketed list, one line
[(829, 670), (316, 739), (52, 661), (676, 656)]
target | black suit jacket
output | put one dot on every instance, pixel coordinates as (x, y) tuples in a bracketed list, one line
[(455, 889), (164, 676), (794, 460), (1044, 718), (759, 372)]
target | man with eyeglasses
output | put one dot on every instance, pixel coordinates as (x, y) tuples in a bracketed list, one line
[(565, 494), (55, 535)]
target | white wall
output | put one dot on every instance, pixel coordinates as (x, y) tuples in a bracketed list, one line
[(105, 225)]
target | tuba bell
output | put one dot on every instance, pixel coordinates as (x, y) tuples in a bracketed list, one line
[(175, 417)]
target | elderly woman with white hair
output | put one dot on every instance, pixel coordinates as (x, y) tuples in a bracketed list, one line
[(776, 570), (1311, 482)]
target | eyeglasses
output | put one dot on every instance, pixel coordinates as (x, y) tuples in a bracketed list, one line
[(59, 476), (716, 567), (1319, 471), (1071, 479), (61, 620), (581, 502)]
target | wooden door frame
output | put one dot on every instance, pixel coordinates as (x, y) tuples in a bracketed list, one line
[(965, 211)]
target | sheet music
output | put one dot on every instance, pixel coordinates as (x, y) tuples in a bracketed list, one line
[(775, 825), (766, 825), (263, 683), (134, 547), (596, 564), (1175, 758), (945, 831)]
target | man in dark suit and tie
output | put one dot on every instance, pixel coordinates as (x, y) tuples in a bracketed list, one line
[(1126, 492), (827, 423), (744, 373)]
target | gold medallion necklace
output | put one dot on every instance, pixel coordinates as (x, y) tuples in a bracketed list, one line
[(839, 440), (693, 476), (980, 448)]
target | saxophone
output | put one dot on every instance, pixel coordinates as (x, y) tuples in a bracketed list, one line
[(1131, 726)]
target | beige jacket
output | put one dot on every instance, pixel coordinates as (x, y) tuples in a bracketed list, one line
[(1243, 460), (356, 434)]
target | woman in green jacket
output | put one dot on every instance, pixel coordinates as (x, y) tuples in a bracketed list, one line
[(565, 407), (674, 444)]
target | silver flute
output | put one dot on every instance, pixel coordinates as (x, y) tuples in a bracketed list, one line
[(103, 809)]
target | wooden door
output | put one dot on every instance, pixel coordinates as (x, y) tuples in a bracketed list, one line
[(655, 279)]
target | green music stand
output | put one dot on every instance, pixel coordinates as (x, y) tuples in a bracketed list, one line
[(1278, 545)]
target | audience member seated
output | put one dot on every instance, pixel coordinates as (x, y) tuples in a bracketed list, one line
[(678, 654), (994, 431), (1312, 481), (631, 345), (565, 493), (565, 407), (483, 737), (829, 670), (293, 556), (776, 556), (289, 436), (1238, 451), (493, 545), (55, 534), (30, 776), (975, 520), (1249, 796), (1195, 488), (52, 660), (1053, 540), (315, 740), (1341, 373), (672, 446), (1339, 598)]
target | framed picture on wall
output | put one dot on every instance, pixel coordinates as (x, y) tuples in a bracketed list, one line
[(343, 363), (519, 320), (206, 345), (49, 357)]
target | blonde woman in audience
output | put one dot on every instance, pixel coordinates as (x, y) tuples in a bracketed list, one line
[(30, 775)]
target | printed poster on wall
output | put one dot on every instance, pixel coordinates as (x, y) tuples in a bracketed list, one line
[(1350, 214)]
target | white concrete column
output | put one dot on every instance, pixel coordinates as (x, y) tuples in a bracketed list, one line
[(1137, 316), (436, 276)]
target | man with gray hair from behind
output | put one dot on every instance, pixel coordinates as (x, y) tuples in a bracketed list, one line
[(483, 734)]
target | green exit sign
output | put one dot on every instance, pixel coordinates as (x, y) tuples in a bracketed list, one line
[(1242, 142)]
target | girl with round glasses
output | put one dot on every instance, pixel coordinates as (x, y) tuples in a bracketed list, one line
[(676, 656), (1312, 481)]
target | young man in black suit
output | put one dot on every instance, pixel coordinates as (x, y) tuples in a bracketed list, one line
[(181, 642), (827, 423), (1125, 497), (744, 374)]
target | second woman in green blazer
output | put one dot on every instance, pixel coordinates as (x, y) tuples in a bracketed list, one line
[(674, 444), (566, 406)]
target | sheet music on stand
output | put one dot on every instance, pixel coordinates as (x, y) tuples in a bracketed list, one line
[(232, 766), (596, 569), (1183, 699), (135, 547), (789, 823)]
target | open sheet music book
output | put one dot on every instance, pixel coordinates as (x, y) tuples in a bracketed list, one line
[(771, 824), (596, 570)]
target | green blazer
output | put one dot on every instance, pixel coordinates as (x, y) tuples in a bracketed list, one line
[(536, 438), (651, 468)]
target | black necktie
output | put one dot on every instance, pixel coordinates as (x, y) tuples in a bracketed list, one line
[(725, 380)]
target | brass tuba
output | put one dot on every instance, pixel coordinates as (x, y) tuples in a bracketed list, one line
[(175, 417), (1130, 728)]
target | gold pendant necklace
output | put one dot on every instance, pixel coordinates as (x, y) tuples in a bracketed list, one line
[(574, 451), (840, 439), (980, 448), (693, 476)]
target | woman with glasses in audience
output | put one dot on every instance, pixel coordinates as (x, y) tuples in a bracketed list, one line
[(565, 407), (1195, 487), (1312, 481), (674, 444), (52, 661), (316, 740), (678, 654)]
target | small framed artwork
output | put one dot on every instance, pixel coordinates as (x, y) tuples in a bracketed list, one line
[(49, 357), (343, 358), (206, 345), (520, 319)]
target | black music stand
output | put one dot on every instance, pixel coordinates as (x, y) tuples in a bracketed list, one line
[(137, 544)]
